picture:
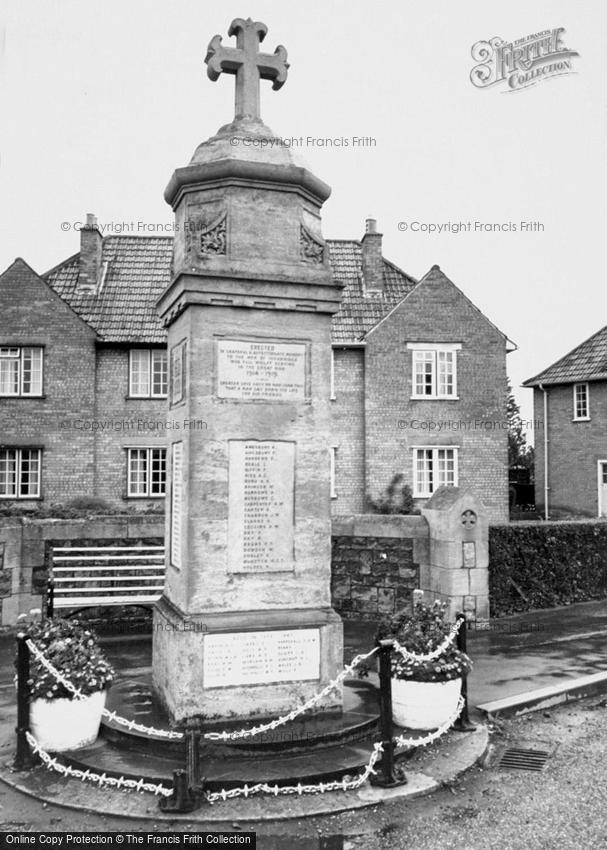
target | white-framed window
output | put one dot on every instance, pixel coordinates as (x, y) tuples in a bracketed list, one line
[(20, 473), (581, 402), (146, 472), (333, 463), (178, 368), (148, 373), (332, 388), (434, 369), (434, 466), (21, 370)]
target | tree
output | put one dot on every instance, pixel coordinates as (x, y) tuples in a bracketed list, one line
[(519, 453)]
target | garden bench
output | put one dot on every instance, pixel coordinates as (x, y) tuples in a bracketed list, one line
[(86, 576)]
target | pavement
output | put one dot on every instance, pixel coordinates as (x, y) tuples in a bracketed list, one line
[(521, 663)]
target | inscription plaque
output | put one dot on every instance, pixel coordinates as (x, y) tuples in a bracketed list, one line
[(256, 371), (176, 497), (260, 506), (260, 658)]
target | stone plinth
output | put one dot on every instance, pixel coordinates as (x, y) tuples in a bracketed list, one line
[(457, 569)]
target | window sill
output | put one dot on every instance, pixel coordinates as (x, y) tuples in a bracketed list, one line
[(145, 397), (144, 497), (434, 398), (581, 419)]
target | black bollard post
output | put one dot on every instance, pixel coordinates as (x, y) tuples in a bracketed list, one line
[(192, 759), (50, 598), (463, 723), (390, 775), (25, 759), (182, 799)]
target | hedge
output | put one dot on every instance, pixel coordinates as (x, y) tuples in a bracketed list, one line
[(546, 564)]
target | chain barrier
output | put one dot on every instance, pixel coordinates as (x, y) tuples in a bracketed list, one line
[(273, 724), (430, 656), (345, 784), (99, 778), (211, 736)]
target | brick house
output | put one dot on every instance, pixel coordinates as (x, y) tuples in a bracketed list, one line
[(570, 409), (419, 379)]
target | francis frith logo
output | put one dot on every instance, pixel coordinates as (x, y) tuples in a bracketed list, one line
[(522, 63)]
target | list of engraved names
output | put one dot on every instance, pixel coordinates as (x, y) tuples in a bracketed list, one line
[(251, 658), (260, 506)]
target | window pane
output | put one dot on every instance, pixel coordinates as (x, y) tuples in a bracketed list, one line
[(158, 472), (159, 372), (8, 472), (581, 401), (9, 374), (424, 368), (32, 371), (29, 477), (423, 471), (140, 372), (446, 467), (445, 372), (138, 481)]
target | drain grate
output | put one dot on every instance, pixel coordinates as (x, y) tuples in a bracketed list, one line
[(518, 758)]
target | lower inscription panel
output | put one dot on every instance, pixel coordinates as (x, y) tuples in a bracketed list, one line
[(260, 658)]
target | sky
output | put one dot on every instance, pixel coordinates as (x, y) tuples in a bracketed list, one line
[(99, 103)]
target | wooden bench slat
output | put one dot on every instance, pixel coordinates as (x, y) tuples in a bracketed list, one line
[(81, 558), (107, 548), (158, 568), (74, 601)]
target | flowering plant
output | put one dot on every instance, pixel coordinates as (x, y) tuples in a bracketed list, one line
[(421, 633), (73, 650)]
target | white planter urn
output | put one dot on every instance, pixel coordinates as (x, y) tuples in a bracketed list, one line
[(66, 724), (424, 705)]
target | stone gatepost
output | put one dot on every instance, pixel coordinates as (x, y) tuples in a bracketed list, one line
[(457, 570)]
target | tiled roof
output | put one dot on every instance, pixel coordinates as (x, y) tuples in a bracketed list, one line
[(587, 362), (138, 271), (359, 312)]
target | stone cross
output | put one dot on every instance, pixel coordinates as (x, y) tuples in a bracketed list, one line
[(247, 63)]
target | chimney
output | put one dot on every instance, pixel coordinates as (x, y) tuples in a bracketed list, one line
[(91, 243), (373, 263)]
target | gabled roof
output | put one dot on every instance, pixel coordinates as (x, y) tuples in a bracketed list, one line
[(139, 269), (587, 362)]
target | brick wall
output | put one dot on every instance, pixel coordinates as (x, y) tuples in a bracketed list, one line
[(348, 430), (131, 422), (375, 564), (435, 312), (32, 314), (574, 450)]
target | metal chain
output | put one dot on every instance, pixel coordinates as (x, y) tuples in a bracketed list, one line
[(211, 736), (412, 656), (401, 741), (344, 784), (100, 778), (273, 724)]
